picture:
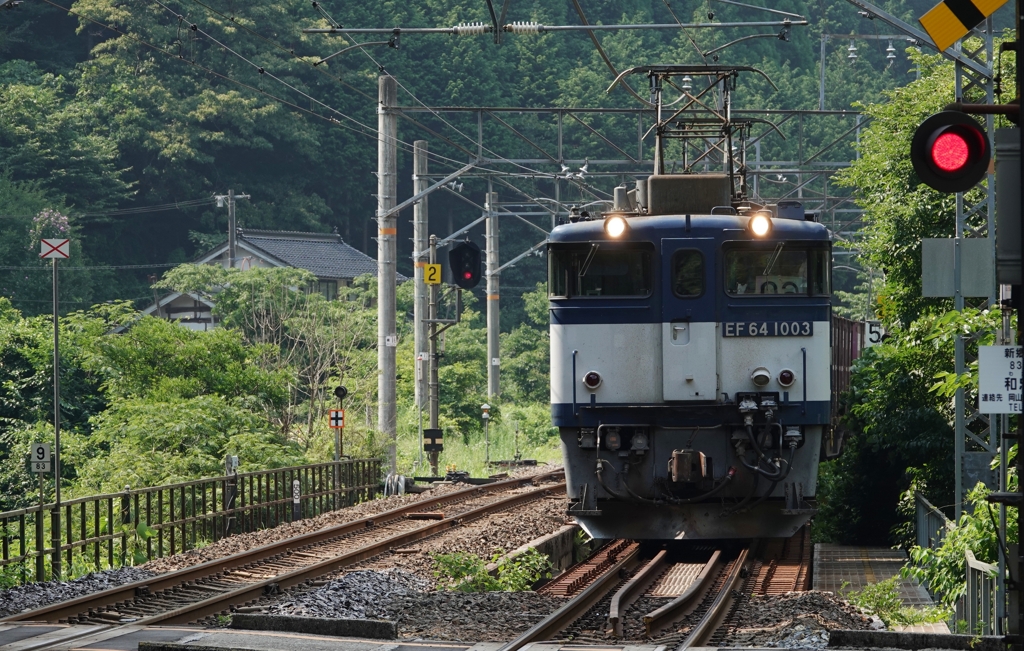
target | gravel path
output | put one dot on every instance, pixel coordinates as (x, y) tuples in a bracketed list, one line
[(33, 595)]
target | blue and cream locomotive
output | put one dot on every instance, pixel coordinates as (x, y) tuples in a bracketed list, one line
[(691, 361)]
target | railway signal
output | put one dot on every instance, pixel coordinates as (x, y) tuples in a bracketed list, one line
[(950, 152), (465, 262)]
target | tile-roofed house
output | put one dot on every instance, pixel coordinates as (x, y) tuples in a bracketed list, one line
[(326, 255)]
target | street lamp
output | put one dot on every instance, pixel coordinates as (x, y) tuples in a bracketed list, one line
[(486, 408)]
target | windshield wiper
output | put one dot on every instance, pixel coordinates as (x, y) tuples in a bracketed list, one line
[(589, 260), (773, 259)]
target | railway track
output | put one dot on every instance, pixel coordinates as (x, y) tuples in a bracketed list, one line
[(216, 586), (678, 599)]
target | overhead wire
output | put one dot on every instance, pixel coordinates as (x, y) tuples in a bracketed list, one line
[(126, 212), (407, 147), (371, 134), (498, 158)]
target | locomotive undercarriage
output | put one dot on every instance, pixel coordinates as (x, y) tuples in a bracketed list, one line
[(751, 476)]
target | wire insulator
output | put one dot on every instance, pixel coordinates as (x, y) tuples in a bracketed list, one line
[(520, 27), (470, 29)]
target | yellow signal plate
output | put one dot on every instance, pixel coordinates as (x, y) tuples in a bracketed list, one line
[(432, 274), (951, 20)]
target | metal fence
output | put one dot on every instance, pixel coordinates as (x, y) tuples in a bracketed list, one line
[(977, 608), (134, 526), (932, 524)]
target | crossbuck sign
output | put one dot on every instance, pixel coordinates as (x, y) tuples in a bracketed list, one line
[(59, 249)]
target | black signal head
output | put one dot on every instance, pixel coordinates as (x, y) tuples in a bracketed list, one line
[(466, 263), (950, 152)]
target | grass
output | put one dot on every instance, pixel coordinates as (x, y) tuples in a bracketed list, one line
[(459, 455), (883, 599)]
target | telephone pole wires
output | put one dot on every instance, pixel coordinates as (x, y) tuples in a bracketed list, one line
[(231, 197)]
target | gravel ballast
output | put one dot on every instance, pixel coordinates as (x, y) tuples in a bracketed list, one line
[(793, 620), (33, 595)]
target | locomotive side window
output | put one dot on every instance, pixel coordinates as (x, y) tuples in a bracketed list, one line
[(779, 270), (687, 274), (595, 270)]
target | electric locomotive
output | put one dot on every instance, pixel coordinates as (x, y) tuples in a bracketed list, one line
[(691, 382)]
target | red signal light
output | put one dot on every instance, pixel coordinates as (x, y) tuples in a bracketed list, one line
[(950, 152), (468, 275)]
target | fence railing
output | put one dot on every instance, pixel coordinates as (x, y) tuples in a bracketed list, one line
[(932, 523), (133, 526), (976, 609)]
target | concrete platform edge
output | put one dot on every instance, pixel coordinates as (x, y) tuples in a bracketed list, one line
[(175, 646), (378, 629), (913, 641)]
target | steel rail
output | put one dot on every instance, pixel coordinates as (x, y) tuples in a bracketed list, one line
[(576, 606), (701, 633), (128, 591), (686, 603), (629, 593), (250, 592)]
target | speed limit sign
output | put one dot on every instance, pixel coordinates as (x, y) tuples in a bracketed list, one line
[(40, 457)]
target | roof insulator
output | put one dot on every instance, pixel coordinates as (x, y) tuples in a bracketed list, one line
[(470, 29), (520, 27)]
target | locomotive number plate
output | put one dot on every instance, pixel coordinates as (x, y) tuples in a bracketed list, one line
[(768, 329)]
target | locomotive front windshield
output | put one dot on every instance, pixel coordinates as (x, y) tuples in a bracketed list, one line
[(599, 270), (784, 268)]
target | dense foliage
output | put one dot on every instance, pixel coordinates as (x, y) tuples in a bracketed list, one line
[(116, 108)]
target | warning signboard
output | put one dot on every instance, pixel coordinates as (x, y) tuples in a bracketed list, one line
[(59, 249), (336, 418), (1000, 379), (950, 20)]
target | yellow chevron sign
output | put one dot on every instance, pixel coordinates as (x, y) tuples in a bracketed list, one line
[(948, 21)]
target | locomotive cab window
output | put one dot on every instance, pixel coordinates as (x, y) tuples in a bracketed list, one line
[(784, 268), (599, 270), (687, 274)]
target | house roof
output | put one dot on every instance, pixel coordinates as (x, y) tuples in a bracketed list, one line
[(324, 254)]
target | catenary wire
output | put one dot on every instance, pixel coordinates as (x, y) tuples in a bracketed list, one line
[(406, 145), (242, 84)]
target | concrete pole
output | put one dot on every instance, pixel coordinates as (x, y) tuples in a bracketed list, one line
[(232, 228), (419, 254), (55, 527), (432, 385), (493, 313), (387, 232)]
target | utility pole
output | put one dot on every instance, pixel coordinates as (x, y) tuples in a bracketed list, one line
[(230, 197), (432, 384), (55, 528), (493, 312), (387, 251), (420, 221)]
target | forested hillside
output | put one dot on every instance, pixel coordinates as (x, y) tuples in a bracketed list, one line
[(121, 107)]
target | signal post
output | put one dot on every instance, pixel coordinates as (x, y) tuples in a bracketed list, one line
[(951, 153)]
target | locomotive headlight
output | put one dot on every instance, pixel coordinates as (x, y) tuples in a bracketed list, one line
[(787, 377), (615, 225), (761, 376), (760, 224)]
